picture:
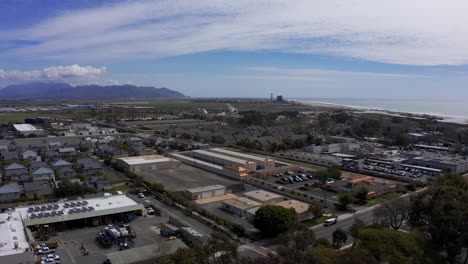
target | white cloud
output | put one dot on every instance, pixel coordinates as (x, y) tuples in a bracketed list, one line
[(417, 32), (319, 74), (73, 74)]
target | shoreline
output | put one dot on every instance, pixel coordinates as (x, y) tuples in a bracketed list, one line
[(370, 110)]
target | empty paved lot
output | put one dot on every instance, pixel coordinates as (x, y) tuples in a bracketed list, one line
[(70, 249), (185, 177)]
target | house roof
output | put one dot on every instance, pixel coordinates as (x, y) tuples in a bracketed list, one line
[(10, 155), (15, 166), (29, 153), (37, 164), (43, 170), (45, 189), (61, 162), (63, 150), (9, 188), (89, 163)]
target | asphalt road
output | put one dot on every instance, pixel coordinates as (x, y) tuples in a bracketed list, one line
[(167, 211), (326, 232)]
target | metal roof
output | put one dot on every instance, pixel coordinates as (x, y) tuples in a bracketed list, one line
[(77, 209), (144, 159), (24, 127), (206, 188), (225, 158), (11, 232)]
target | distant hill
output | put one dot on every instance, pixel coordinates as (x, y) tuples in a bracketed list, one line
[(59, 91)]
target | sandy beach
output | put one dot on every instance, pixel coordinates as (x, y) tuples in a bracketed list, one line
[(363, 110)]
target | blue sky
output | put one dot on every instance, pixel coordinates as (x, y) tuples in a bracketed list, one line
[(358, 49)]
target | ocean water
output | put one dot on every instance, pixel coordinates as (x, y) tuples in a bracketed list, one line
[(445, 108)]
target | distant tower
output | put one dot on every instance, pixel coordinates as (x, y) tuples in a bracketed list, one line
[(279, 99), (271, 98)]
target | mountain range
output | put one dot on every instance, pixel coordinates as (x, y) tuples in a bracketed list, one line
[(64, 91)]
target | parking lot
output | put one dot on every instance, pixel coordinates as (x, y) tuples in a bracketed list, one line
[(404, 171), (185, 177), (295, 182), (71, 241)]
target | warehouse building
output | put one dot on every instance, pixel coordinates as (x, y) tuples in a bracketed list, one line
[(223, 160), (147, 163), (205, 192), (14, 243), (231, 171), (265, 163), (232, 164), (264, 197), (28, 130), (448, 164), (85, 211), (239, 205)]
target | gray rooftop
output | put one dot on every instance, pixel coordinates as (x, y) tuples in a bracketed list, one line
[(15, 166), (9, 188)]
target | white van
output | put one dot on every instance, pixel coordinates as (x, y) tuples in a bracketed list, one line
[(330, 222)]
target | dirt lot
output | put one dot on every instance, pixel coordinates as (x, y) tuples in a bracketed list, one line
[(185, 177)]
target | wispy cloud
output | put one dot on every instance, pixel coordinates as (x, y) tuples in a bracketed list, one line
[(418, 32), (74, 74), (320, 74)]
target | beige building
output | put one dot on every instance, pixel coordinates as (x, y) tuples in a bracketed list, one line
[(239, 205), (301, 208), (205, 192), (265, 163), (264, 197), (147, 163)]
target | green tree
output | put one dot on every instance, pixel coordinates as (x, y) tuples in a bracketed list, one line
[(334, 173), (391, 246), (361, 195), (272, 220), (339, 237), (344, 199), (441, 212), (157, 187), (296, 243)]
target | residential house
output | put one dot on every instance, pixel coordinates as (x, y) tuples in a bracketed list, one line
[(37, 164), (140, 149), (67, 152), (10, 192), (54, 145), (43, 174), (29, 155), (34, 190), (109, 152), (88, 166), (16, 172), (3, 148), (65, 172), (10, 155), (51, 154), (61, 164)]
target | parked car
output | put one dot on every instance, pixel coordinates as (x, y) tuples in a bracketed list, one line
[(141, 195), (150, 210), (45, 250)]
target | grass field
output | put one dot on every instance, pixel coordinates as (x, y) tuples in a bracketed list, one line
[(385, 197)]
